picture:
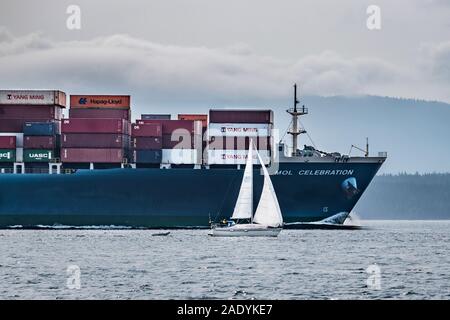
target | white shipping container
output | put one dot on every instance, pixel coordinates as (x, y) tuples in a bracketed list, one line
[(179, 156), (34, 97), (19, 137), (235, 156), (240, 129)]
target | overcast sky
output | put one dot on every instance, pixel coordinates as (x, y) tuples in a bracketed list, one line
[(233, 50)]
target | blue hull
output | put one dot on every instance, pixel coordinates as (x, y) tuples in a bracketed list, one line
[(175, 198)]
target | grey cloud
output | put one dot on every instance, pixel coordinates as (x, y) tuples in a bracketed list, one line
[(437, 60), (151, 71)]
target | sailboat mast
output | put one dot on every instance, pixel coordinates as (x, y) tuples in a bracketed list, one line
[(250, 154)]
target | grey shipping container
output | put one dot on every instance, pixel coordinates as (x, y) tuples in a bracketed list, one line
[(155, 116)]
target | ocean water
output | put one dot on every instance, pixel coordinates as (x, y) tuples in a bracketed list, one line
[(405, 260)]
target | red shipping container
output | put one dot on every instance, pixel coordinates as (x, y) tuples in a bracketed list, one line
[(80, 125), (16, 125), (195, 117), (100, 113), (97, 155), (94, 140), (30, 112), (169, 126), (147, 143), (146, 130), (7, 142), (177, 141), (241, 116), (39, 142)]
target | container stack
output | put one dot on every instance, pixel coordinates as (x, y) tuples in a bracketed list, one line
[(199, 139), (41, 142), (179, 140), (147, 143), (97, 131), (37, 113), (230, 132)]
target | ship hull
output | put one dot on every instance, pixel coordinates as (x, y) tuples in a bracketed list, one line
[(175, 198)]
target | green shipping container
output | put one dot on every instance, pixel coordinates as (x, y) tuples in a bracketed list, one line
[(7, 155), (37, 155)]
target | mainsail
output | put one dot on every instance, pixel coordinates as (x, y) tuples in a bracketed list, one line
[(244, 204), (268, 211)]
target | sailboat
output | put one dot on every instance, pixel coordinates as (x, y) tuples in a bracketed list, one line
[(267, 220)]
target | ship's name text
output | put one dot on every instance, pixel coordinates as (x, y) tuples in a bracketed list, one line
[(315, 172)]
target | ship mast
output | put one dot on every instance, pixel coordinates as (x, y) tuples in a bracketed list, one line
[(295, 130)]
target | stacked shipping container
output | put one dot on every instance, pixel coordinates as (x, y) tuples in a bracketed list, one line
[(147, 143), (41, 141), (180, 140), (31, 118), (230, 132), (97, 131)]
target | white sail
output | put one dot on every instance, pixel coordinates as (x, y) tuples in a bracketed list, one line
[(244, 204), (268, 211)]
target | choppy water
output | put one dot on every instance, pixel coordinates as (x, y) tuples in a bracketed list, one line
[(413, 257)]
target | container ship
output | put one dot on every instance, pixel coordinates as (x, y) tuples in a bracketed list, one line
[(95, 167)]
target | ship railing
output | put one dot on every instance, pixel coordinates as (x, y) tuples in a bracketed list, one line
[(302, 110)]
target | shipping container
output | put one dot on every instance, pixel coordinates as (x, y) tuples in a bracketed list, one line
[(170, 126), (41, 142), (100, 113), (176, 141), (195, 117), (152, 143), (156, 116), (30, 112), (95, 126), (37, 155), (11, 125), (235, 157), (179, 156), (7, 155), (147, 156), (18, 136), (239, 143), (40, 128), (146, 130), (7, 142), (94, 155), (100, 101), (240, 116), (240, 129), (33, 97), (94, 140), (15, 125)]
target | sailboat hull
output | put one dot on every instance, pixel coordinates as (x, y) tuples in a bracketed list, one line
[(245, 230)]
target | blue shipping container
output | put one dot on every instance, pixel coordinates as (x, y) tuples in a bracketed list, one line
[(155, 116), (40, 129), (147, 156)]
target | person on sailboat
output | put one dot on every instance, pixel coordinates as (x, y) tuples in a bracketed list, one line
[(267, 220)]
